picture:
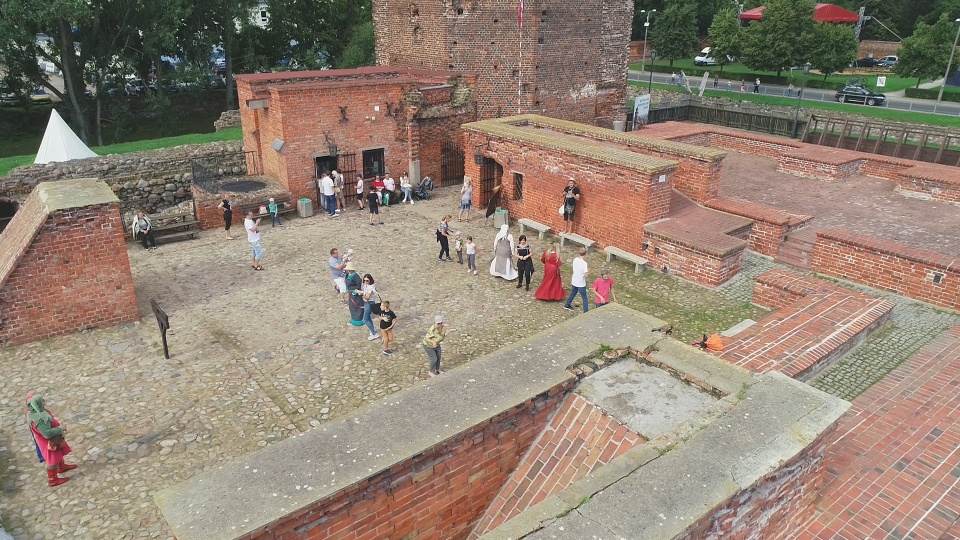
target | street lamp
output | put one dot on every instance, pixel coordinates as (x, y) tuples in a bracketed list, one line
[(947, 72), (646, 28), (653, 58), (796, 113)]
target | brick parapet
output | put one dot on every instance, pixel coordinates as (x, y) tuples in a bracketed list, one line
[(695, 264), (770, 226)]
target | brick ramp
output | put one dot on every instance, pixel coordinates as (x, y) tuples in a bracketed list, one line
[(19, 234), (580, 438), (806, 334), (894, 470)]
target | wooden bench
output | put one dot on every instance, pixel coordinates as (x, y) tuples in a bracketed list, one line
[(174, 226), (284, 206), (617, 253), (539, 227), (576, 239)]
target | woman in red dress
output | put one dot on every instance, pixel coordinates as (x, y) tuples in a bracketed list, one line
[(552, 287), (48, 435)]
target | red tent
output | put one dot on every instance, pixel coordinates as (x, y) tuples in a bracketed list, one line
[(823, 13)]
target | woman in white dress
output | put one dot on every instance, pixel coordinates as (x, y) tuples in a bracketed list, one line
[(502, 265)]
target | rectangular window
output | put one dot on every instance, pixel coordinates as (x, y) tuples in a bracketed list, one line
[(373, 163), (518, 186), (938, 278)]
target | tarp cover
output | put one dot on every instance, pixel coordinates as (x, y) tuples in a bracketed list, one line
[(828, 13), (60, 143)]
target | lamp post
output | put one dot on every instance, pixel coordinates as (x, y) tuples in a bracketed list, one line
[(796, 113), (947, 72), (653, 58), (646, 28)]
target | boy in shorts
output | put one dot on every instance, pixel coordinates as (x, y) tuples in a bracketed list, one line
[(373, 202)]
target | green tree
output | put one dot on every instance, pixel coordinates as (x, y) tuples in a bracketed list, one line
[(361, 49), (925, 54), (834, 47), (783, 38), (725, 36), (318, 30), (675, 32)]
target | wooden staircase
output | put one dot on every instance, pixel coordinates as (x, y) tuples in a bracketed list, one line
[(797, 249)]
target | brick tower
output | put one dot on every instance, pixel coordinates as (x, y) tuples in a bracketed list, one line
[(569, 60)]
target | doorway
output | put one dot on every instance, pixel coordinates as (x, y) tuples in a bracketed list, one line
[(324, 164)]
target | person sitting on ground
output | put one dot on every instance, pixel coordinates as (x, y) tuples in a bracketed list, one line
[(712, 342)]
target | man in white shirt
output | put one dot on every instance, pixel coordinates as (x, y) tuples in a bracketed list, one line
[(330, 196), (578, 283), (253, 236), (360, 193), (389, 186)]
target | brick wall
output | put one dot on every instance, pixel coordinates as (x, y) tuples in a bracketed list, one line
[(439, 494), (786, 495), (690, 262), (888, 266), (68, 274), (770, 225), (210, 217), (938, 183), (484, 38), (810, 167)]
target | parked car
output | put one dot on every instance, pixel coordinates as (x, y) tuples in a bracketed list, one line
[(704, 58), (888, 61), (865, 63), (135, 87), (40, 96), (8, 98), (860, 94)]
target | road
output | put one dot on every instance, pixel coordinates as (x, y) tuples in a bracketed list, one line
[(812, 94)]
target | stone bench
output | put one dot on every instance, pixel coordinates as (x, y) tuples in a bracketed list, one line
[(615, 252), (576, 239), (537, 226)]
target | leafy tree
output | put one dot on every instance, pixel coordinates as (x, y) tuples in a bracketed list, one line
[(783, 38), (834, 47), (925, 54), (725, 36), (361, 49), (675, 32), (318, 30)]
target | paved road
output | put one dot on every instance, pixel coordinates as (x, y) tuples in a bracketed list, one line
[(812, 94)]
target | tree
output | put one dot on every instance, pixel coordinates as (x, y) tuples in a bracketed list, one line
[(925, 54), (835, 46), (361, 49), (318, 30), (725, 36), (675, 31), (783, 38)]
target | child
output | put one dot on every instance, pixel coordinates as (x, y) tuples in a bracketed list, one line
[(458, 246), (388, 319), (471, 255), (373, 202), (274, 213), (603, 289)]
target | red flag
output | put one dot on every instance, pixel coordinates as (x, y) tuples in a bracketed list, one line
[(520, 14)]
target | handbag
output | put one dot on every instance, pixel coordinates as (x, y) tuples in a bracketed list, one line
[(375, 306), (561, 209)]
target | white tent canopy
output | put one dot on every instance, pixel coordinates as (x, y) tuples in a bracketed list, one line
[(60, 143)]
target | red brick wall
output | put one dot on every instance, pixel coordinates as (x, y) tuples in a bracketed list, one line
[(211, 217), (73, 274), (770, 226), (751, 144), (811, 168), (689, 263), (888, 266), (777, 289), (439, 494), (938, 183), (786, 495), (884, 167)]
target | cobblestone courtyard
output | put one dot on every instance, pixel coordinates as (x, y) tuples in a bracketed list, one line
[(261, 356)]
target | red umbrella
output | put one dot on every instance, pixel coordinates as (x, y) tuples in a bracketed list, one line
[(828, 13)]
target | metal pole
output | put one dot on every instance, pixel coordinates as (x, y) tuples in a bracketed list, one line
[(653, 57), (796, 113), (947, 72), (646, 28)]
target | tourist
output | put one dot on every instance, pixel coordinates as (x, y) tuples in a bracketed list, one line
[(443, 238), (143, 230), (360, 191), (389, 189), (743, 86), (379, 185), (406, 187), (502, 264), (471, 249), (524, 261), (683, 78), (354, 286), (431, 344), (578, 283), (673, 78), (274, 211), (571, 195), (716, 82), (729, 83), (370, 297), (458, 247), (253, 236), (337, 263), (338, 185), (48, 436), (603, 289), (227, 209), (329, 195), (373, 203), (388, 319), (756, 86), (551, 289), (790, 90), (466, 200)]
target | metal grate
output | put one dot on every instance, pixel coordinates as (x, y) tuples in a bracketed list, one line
[(451, 164)]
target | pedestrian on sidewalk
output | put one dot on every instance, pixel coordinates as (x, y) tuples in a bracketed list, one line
[(790, 90), (253, 236), (729, 84), (673, 77), (388, 319), (431, 344), (756, 86), (48, 436), (743, 85), (716, 82), (578, 283)]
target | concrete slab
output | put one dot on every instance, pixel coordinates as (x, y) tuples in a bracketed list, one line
[(76, 193), (737, 328)]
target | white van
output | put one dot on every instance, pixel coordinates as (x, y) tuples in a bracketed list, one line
[(704, 58)]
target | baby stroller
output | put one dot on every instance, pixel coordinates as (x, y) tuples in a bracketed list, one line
[(420, 192)]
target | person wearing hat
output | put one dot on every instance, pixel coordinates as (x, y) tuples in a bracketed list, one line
[(48, 434), (274, 211), (431, 344), (355, 301)]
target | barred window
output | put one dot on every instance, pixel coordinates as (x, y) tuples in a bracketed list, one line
[(518, 186)]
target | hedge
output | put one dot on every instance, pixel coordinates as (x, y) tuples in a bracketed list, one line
[(813, 81), (949, 94)]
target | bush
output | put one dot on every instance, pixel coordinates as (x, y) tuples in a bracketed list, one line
[(949, 94)]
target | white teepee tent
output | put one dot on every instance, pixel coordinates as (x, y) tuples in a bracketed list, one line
[(60, 143)]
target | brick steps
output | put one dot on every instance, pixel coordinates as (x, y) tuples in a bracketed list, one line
[(797, 248)]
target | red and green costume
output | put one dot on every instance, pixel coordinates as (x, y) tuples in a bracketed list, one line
[(49, 438)]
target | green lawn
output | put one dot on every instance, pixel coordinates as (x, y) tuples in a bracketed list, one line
[(230, 134), (876, 112), (735, 71)]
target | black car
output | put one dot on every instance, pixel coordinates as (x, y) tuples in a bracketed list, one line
[(865, 63), (860, 94)]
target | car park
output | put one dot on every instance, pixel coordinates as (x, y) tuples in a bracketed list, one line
[(859, 94), (40, 96)]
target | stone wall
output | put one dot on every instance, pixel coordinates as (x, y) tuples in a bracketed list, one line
[(150, 181), (227, 119)]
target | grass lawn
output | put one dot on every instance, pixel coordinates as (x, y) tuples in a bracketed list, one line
[(876, 112), (893, 82), (230, 134)]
